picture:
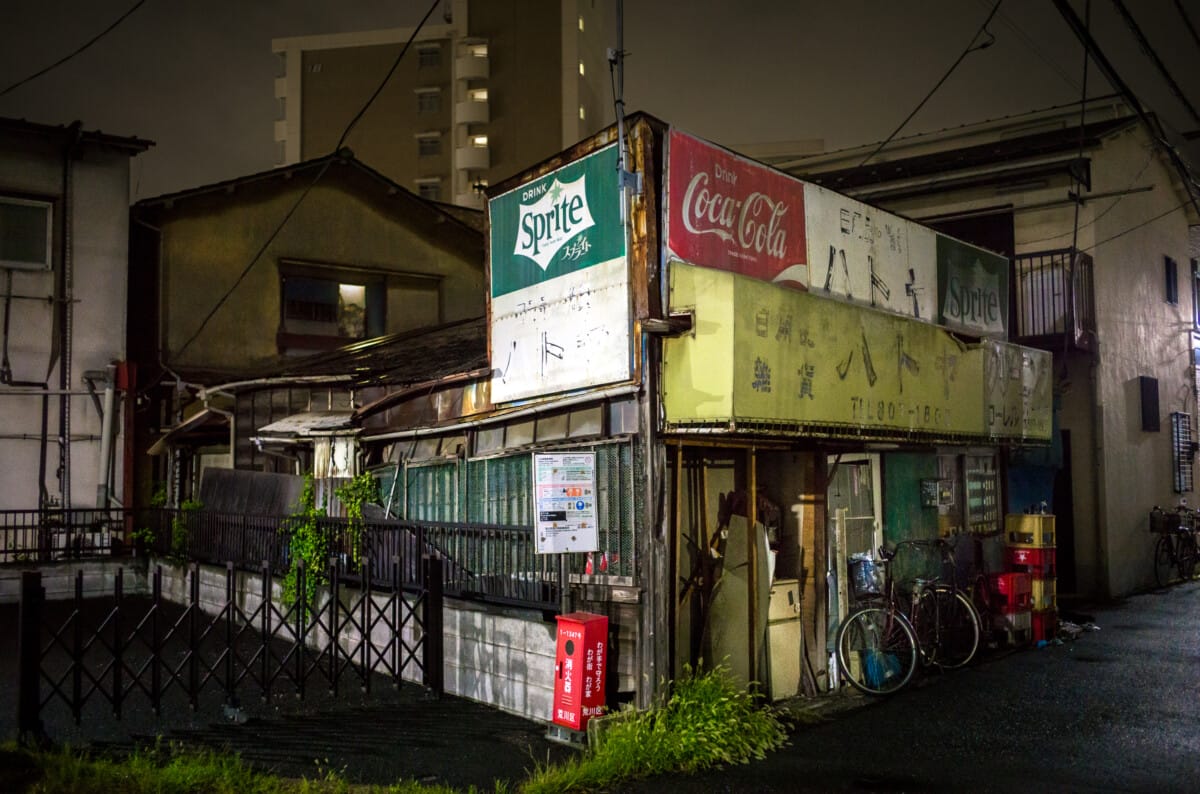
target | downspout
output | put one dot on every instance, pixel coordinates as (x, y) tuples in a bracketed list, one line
[(1099, 493), (103, 488), (66, 317)]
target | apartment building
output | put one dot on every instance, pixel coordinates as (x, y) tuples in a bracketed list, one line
[(487, 89)]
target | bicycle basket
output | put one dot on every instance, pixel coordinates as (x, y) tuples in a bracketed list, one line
[(865, 577), (1162, 521)]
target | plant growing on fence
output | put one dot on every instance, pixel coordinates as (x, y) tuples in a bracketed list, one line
[(179, 528), (363, 489), (308, 544)]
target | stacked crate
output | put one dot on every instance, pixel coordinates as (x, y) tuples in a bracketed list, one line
[(1030, 549), (1012, 606)]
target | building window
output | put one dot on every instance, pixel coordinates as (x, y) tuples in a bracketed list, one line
[(25, 229), (429, 146), (430, 190), (478, 94), (581, 24), (478, 50), (1171, 270), (320, 313), (582, 113), (581, 69), (479, 141), (1196, 293), (429, 101), (429, 56)]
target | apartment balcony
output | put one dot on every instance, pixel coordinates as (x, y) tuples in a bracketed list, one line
[(1053, 303), (472, 158), (472, 111), (471, 67)]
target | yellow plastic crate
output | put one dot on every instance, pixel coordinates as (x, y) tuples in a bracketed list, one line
[(1029, 530), (1045, 594)]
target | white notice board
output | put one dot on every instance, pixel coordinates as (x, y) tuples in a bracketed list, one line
[(564, 492)]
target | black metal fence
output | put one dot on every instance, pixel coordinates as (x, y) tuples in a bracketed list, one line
[(1053, 297), (484, 562), (56, 534), (244, 647)]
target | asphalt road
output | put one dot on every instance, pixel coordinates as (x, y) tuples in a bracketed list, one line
[(1116, 710)]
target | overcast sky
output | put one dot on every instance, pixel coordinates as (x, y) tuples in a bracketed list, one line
[(196, 76)]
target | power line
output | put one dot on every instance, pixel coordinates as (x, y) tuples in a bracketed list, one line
[(1188, 22), (1134, 228), (300, 199), (1029, 43), (354, 121), (971, 47), (66, 58), (1150, 52)]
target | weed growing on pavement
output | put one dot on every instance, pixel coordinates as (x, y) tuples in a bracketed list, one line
[(708, 720)]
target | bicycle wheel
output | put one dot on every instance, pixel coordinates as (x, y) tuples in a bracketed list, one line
[(1164, 560), (1185, 556), (876, 650), (958, 628)]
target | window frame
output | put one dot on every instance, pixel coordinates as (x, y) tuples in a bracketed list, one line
[(30, 265)]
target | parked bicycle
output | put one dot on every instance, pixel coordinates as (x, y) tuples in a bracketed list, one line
[(1175, 550), (879, 643)]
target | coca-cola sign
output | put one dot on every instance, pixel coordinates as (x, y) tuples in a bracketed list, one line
[(733, 214)]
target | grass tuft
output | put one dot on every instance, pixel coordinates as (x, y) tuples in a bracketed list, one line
[(708, 721)]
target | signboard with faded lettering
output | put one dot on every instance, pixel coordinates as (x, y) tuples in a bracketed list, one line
[(564, 486), (559, 309), (730, 213), (809, 361), (861, 253), (1017, 391), (972, 288)]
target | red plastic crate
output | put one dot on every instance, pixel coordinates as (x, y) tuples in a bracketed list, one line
[(1011, 592), (1045, 624), (1039, 563)]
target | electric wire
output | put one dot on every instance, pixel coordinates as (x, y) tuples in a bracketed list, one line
[(1187, 21), (1135, 227), (77, 51), (970, 48), (308, 188), (1108, 209), (1152, 54), (1032, 47)]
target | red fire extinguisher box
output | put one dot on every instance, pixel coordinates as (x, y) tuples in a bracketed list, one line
[(579, 669)]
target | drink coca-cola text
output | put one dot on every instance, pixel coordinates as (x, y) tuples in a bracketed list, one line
[(753, 223)]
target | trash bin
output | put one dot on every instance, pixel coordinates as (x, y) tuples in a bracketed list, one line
[(579, 669)]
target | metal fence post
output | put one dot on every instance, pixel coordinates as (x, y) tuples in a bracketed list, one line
[(29, 674), (431, 626)]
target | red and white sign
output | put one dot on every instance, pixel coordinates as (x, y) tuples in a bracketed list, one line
[(729, 213)]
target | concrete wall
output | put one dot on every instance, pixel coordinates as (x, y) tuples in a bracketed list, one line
[(1141, 334), (501, 657), (99, 226)]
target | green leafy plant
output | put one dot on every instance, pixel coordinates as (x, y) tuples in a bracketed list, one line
[(159, 497), (353, 494), (142, 537), (708, 720), (308, 544), (179, 528)]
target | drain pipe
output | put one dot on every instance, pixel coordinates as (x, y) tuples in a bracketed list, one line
[(66, 321), (104, 486)]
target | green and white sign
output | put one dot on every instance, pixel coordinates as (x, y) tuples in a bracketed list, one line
[(972, 288), (559, 282)]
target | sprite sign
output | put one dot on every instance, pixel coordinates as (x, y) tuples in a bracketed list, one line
[(559, 312)]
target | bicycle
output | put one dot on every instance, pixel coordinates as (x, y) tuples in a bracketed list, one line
[(1176, 544), (879, 643)]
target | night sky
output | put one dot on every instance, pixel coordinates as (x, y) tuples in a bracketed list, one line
[(196, 76)]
